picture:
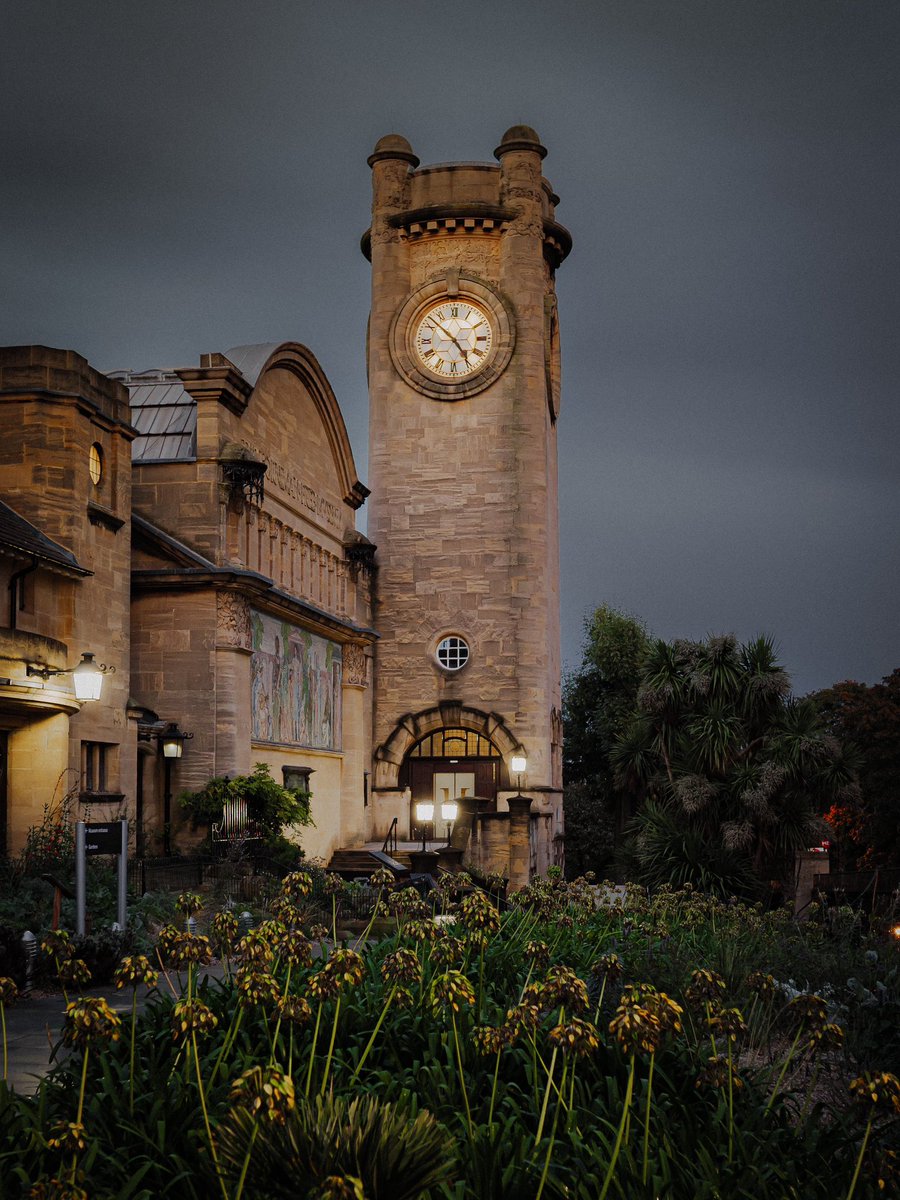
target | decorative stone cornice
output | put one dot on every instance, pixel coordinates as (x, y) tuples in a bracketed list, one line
[(220, 382)]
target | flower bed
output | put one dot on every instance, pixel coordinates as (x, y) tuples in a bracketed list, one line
[(648, 1048)]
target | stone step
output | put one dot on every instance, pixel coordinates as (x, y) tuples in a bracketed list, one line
[(352, 861)]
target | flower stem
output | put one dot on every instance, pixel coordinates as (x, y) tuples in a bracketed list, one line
[(540, 1128), (552, 1135), (730, 1106), (328, 1057), (131, 1053), (312, 1053), (80, 1113), (783, 1069), (618, 1146), (862, 1153), (462, 1080), (494, 1090), (647, 1118), (371, 1041), (3, 1022), (209, 1135), (245, 1167), (227, 1043)]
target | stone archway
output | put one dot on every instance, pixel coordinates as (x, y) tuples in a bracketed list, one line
[(412, 727)]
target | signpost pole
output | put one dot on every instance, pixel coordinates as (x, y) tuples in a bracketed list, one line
[(80, 878), (123, 876)]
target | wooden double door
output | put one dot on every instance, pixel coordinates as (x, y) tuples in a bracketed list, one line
[(438, 780)]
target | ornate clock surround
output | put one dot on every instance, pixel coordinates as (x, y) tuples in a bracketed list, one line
[(451, 287)]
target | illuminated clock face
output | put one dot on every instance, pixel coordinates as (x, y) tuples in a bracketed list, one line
[(453, 339)]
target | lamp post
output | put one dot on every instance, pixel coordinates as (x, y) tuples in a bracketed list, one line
[(518, 764), (171, 744), (424, 814), (449, 813)]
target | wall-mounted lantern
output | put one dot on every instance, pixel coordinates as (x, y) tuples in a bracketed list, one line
[(87, 677)]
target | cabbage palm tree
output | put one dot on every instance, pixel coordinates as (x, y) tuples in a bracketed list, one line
[(720, 756)]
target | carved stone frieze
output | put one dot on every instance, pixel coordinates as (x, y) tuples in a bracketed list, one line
[(233, 620), (354, 660)]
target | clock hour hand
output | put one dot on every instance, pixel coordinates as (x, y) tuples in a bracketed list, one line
[(448, 334)]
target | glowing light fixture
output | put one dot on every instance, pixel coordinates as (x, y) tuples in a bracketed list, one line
[(87, 677)]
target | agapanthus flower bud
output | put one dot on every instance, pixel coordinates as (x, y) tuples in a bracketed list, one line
[(882, 1089), (728, 1021), (402, 966), (450, 990), (716, 1072), (89, 1018), (265, 1092), (294, 948), (58, 945), (134, 970), (189, 903), (296, 885), (575, 1037), (74, 973), (294, 1010), (255, 986), (538, 953), (192, 1016)]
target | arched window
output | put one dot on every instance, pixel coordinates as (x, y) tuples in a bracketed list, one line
[(454, 743)]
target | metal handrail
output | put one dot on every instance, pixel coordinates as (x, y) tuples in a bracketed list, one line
[(389, 845)]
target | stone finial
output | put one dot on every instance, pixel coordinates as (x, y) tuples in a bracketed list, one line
[(393, 145), (520, 137)]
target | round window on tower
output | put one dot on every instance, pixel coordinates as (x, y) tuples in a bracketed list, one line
[(452, 653)]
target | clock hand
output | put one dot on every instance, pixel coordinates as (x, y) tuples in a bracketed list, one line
[(448, 334)]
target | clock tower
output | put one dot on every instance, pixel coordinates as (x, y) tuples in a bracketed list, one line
[(464, 379)]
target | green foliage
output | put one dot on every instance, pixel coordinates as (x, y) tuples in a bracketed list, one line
[(590, 828), (395, 1153), (395, 1082), (598, 700), (270, 807), (717, 742), (665, 849), (866, 819)]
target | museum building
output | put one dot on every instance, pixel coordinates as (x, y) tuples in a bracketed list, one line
[(189, 537)]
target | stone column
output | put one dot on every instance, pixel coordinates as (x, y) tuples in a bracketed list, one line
[(354, 682), (233, 718), (519, 841), (495, 843)]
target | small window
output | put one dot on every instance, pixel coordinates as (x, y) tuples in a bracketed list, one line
[(297, 779), (452, 653), (95, 464), (96, 762)]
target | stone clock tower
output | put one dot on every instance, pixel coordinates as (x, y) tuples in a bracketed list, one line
[(464, 382)]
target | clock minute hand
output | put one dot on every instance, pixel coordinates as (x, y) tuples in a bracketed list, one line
[(448, 334)]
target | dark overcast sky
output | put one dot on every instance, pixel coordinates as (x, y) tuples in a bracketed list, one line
[(178, 178)]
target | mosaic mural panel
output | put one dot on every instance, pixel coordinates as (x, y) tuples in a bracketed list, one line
[(296, 686)]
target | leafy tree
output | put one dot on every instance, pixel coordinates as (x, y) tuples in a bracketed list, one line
[(598, 701), (729, 771), (867, 823)]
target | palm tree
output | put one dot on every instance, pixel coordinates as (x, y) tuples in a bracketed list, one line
[(728, 768)]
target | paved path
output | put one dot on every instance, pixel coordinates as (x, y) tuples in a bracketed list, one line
[(34, 1028)]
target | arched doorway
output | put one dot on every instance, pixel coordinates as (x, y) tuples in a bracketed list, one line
[(448, 763)]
